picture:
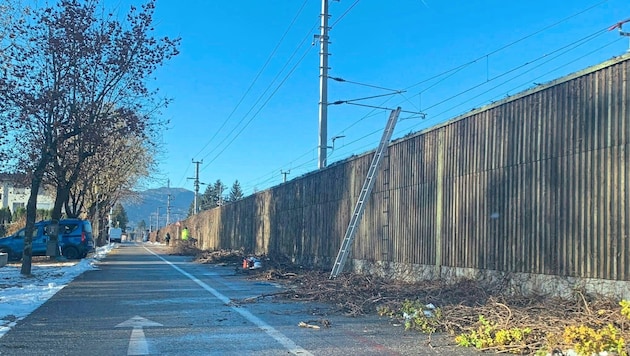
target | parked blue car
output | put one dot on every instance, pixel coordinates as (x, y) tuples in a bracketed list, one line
[(75, 239)]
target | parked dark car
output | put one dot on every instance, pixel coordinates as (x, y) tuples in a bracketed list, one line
[(75, 239)]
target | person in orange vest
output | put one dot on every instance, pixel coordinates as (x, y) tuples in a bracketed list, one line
[(185, 234)]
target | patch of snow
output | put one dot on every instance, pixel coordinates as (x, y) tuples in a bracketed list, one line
[(20, 295)]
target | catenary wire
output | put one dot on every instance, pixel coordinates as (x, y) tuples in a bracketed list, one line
[(261, 96), (579, 42), (260, 71), (458, 68), (341, 80), (574, 45), (334, 24), (510, 44), (261, 107), (435, 118), (344, 14)]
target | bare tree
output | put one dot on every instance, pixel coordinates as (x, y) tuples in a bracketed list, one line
[(10, 12), (119, 164), (78, 79), (108, 178)]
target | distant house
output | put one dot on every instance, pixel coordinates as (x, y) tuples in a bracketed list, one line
[(14, 193)]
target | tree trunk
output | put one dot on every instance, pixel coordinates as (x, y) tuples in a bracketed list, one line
[(31, 214), (63, 193)]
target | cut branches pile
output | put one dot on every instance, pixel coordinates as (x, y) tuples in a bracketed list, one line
[(481, 315)]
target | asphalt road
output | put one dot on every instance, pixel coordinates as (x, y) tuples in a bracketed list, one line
[(142, 301)]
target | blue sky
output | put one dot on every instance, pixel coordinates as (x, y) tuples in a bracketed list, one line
[(245, 87)]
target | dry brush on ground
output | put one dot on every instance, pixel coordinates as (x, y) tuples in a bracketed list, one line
[(488, 315)]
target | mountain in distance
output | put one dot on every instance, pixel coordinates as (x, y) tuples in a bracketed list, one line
[(144, 206)]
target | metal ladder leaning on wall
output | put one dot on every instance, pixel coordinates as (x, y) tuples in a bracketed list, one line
[(359, 208)]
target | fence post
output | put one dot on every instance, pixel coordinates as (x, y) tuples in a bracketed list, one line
[(439, 200)]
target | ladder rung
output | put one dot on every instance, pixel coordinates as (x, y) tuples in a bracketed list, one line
[(367, 186)]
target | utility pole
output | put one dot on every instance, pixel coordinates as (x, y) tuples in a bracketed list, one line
[(168, 203), (323, 86), (284, 179), (196, 184), (157, 219)]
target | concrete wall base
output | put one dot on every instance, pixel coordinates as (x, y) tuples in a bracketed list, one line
[(515, 283)]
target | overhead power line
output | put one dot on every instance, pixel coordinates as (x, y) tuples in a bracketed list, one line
[(338, 102), (570, 46), (384, 108), (345, 13), (259, 110), (435, 118), (511, 43), (260, 71), (451, 71), (362, 84), (455, 70)]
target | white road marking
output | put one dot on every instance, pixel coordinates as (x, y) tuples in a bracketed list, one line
[(138, 344), (291, 346)]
